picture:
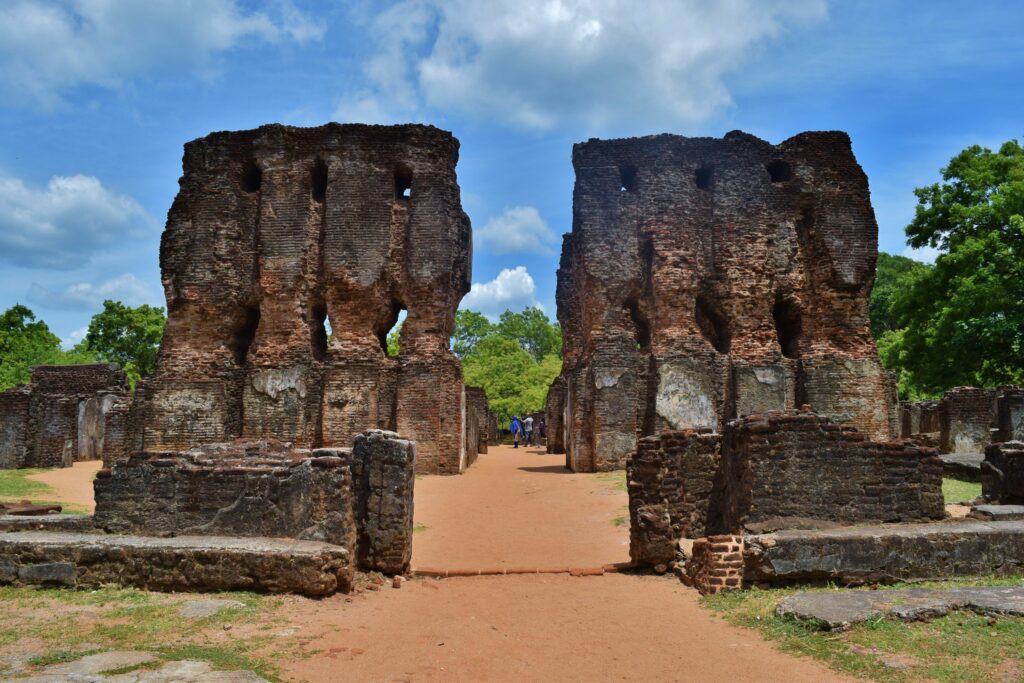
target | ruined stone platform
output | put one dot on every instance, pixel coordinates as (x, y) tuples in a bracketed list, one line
[(183, 563), (966, 466), (885, 553), (838, 610)]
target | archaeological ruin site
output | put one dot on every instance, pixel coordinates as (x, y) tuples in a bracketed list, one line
[(713, 298)]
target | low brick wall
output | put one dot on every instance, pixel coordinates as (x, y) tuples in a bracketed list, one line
[(1002, 473), (968, 414), (248, 489), (187, 563), (800, 465), (670, 478), (885, 553), (716, 564), (14, 427)]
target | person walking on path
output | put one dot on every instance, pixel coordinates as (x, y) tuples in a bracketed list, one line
[(517, 429), (528, 429)]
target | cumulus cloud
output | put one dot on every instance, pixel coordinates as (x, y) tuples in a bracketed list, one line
[(517, 230), (63, 224), (924, 254), (74, 337), (47, 47), (537, 63), (513, 289), (125, 288)]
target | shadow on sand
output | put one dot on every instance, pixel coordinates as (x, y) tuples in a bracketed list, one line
[(547, 469)]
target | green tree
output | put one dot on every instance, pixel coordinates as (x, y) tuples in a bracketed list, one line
[(126, 335), (470, 328), (534, 332), (26, 341), (393, 337), (515, 383), (891, 274), (962, 321)]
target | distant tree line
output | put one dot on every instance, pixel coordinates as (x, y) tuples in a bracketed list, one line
[(118, 333), (960, 321)]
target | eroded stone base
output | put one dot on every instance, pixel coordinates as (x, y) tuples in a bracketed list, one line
[(885, 553), (184, 563)]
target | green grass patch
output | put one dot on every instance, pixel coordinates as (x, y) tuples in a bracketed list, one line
[(419, 528), (128, 619), (957, 491), (957, 648), (620, 521), (616, 479), (15, 485)]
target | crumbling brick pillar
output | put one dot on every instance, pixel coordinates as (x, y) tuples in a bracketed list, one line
[(383, 476), (708, 279), (967, 417), (14, 405), (1011, 414), (651, 538), (288, 256), (554, 414), (716, 564)]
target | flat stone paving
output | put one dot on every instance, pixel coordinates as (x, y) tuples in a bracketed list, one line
[(837, 611), (887, 552), (998, 512), (181, 563), (91, 668)]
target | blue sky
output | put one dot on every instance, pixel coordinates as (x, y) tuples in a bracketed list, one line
[(97, 98)]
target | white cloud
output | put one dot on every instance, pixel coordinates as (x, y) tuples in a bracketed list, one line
[(924, 254), (47, 48), (513, 289), (518, 230), (63, 224), (125, 288), (590, 63), (74, 337)]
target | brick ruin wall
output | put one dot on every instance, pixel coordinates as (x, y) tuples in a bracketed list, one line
[(358, 498), (772, 470), (60, 417), (478, 423), (280, 234), (554, 413), (709, 278), (966, 419), (1002, 473)]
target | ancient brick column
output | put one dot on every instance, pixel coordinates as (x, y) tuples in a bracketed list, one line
[(288, 256), (710, 278)]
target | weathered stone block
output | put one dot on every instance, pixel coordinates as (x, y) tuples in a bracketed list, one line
[(383, 473)]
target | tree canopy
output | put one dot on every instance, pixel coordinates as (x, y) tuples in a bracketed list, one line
[(126, 335), (514, 360), (25, 341), (961, 321)]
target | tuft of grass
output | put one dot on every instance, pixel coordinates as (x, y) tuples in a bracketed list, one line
[(616, 479), (620, 521), (419, 528), (15, 485), (957, 648), (60, 657), (958, 491)]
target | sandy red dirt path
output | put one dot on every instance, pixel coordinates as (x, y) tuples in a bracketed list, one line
[(71, 484), (519, 508)]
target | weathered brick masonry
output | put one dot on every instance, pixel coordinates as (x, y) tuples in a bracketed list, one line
[(60, 417), (358, 499), (710, 278), (1002, 473), (777, 470), (277, 234), (966, 419)]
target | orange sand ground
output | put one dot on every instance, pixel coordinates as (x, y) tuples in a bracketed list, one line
[(517, 508)]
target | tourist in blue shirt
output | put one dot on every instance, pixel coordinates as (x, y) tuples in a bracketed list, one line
[(517, 429)]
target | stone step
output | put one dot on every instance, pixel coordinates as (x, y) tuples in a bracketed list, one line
[(886, 553), (182, 563)]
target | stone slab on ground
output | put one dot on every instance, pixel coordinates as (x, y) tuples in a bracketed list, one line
[(90, 669), (998, 512), (966, 466), (201, 609), (183, 563), (47, 523), (838, 610), (886, 553)]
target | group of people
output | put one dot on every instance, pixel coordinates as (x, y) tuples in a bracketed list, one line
[(523, 430)]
